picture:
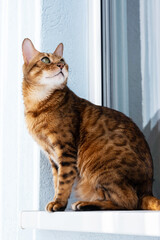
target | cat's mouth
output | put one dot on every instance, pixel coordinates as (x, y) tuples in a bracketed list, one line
[(61, 73), (57, 75)]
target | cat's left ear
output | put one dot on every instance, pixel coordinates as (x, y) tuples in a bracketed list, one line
[(28, 50), (59, 50)]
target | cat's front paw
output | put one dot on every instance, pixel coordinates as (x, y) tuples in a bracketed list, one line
[(55, 206)]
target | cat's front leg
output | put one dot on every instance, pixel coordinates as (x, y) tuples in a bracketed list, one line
[(66, 176), (55, 176)]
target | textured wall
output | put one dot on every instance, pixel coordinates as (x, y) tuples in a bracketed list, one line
[(64, 21)]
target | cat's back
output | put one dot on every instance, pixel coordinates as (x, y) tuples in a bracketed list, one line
[(111, 140), (96, 119)]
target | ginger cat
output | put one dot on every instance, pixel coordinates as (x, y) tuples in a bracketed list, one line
[(100, 147)]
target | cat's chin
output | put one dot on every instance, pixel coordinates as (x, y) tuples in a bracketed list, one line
[(53, 80), (52, 76), (47, 86)]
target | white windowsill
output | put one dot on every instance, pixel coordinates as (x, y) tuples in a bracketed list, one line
[(144, 223)]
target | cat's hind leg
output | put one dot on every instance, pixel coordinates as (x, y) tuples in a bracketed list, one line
[(95, 205), (112, 196), (150, 203)]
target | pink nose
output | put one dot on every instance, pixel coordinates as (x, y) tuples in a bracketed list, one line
[(60, 65)]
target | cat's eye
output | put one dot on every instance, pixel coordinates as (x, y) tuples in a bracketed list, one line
[(62, 60), (45, 60)]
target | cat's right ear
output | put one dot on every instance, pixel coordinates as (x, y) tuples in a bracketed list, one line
[(59, 50), (28, 50)]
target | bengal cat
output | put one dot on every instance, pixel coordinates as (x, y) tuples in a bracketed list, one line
[(99, 147)]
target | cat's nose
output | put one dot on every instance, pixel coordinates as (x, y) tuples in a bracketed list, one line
[(60, 65)]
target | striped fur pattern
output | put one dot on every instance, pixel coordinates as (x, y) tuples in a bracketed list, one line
[(99, 147)]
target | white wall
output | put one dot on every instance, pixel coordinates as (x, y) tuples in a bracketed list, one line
[(18, 153)]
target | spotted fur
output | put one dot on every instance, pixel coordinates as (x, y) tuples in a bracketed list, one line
[(100, 147)]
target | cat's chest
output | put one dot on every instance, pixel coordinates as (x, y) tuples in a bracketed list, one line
[(44, 133), (34, 123), (37, 127)]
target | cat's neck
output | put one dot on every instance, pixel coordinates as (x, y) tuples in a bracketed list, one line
[(35, 96)]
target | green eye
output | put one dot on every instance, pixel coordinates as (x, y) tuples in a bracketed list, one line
[(45, 60)]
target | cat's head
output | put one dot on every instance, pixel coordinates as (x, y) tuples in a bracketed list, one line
[(48, 70)]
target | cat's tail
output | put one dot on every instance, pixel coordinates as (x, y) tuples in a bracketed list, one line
[(150, 203)]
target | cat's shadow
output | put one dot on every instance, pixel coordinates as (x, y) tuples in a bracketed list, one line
[(152, 134)]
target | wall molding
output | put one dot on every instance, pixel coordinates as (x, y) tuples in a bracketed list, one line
[(119, 55), (94, 52)]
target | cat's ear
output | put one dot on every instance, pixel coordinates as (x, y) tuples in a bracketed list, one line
[(28, 50), (59, 50)]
